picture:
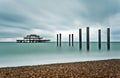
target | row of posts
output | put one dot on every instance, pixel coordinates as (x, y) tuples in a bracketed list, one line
[(71, 37)]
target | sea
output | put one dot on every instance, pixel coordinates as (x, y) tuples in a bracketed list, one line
[(23, 54)]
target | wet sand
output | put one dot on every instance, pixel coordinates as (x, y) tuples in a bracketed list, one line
[(88, 69)]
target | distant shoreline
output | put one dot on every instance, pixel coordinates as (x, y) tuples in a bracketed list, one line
[(101, 68)]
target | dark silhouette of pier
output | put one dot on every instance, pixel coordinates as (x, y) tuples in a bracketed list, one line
[(59, 36), (87, 38), (108, 38), (80, 38), (72, 40), (57, 39), (69, 40), (60, 39), (71, 37), (32, 38), (99, 39)]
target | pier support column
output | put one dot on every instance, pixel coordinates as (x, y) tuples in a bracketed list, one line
[(69, 40), (99, 39), (60, 39), (57, 40), (108, 38), (72, 40), (80, 38), (88, 38)]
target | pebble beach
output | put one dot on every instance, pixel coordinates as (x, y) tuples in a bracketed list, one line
[(87, 69)]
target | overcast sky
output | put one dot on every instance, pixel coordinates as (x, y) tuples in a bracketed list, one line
[(19, 18)]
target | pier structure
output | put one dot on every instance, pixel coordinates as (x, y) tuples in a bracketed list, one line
[(99, 39), (59, 39), (71, 39), (32, 38), (108, 38), (87, 38), (80, 38)]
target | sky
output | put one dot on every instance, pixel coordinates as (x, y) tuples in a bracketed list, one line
[(46, 18)]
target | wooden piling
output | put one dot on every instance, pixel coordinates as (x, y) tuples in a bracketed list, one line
[(69, 40), (99, 39), (108, 38), (57, 40), (87, 38), (80, 38), (60, 39), (72, 40)]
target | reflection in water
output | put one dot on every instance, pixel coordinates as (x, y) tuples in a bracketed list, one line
[(14, 54)]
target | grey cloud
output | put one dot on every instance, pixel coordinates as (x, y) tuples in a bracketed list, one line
[(65, 10), (12, 18), (9, 35), (55, 15), (116, 32), (99, 10), (15, 26)]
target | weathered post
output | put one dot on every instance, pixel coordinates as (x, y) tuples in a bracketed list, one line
[(69, 40), (80, 38), (99, 39), (60, 39), (72, 39), (108, 38), (87, 38), (57, 40)]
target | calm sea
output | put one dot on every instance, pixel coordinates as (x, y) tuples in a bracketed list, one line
[(19, 54)]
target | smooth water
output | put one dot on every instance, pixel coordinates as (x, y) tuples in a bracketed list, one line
[(18, 54)]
